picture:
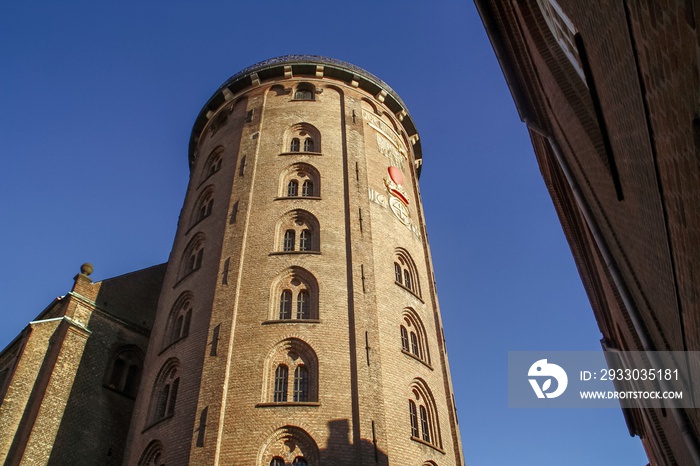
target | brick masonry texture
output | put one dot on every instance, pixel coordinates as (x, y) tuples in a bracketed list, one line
[(626, 123)]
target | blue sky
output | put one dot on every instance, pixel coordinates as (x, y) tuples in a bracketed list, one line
[(96, 104)]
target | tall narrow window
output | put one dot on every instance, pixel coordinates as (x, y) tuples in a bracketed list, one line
[(301, 384), (404, 338), (164, 397), (281, 374), (303, 305), (289, 240), (307, 189), (414, 345), (294, 146), (413, 414), (397, 273), (286, 305), (308, 145), (277, 461), (305, 241), (293, 188), (299, 461), (407, 280), (424, 424)]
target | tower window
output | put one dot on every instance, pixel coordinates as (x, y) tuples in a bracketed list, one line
[(405, 272), (298, 224), (286, 305), (304, 91), (299, 461), (295, 286), (305, 240), (414, 339), (164, 396), (308, 145), (213, 162), (423, 415), (413, 415), (300, 179), (277, 461), (289, 240), (301, 384), (292, 188), (179, 319), (302, 137), (307, 189), (293, 358), (281, 375), (303, 305), (193, 255)]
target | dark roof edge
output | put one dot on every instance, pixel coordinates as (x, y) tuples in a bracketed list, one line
[(366, 81)]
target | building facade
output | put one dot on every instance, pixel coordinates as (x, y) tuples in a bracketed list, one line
[(297, 321), (609, 92)]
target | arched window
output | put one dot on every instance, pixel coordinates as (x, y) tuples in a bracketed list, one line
[(424, 427), (281, 376), (302, 137), (203, 206), (414, 339), (213, 162), (152, 455), (286, 305), (304, 91), (293, 188), (292, 357), (289, 240), (164, 397), (296, 285), (124, 371), (413, 414), (308, 145), (193, 255), (289, 445), (424, 421), (303, 305), (307, 189), (405, 272), (178, 326), (298, 225), (305, 240), (404, 338), (300, 175), (301, 384)]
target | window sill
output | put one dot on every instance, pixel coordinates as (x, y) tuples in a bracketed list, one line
[(413, 356), (410, 291), (194, 225), (156, 422), (279, 253), (297, 198), (291, 321), (185, 277), (301, 153), (288, 403), (423, 442), (171, 343), (115, 390)]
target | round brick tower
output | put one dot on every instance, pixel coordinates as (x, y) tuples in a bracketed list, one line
[(298, 322)]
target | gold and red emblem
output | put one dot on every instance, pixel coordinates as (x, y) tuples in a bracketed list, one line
[(394, 184)]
